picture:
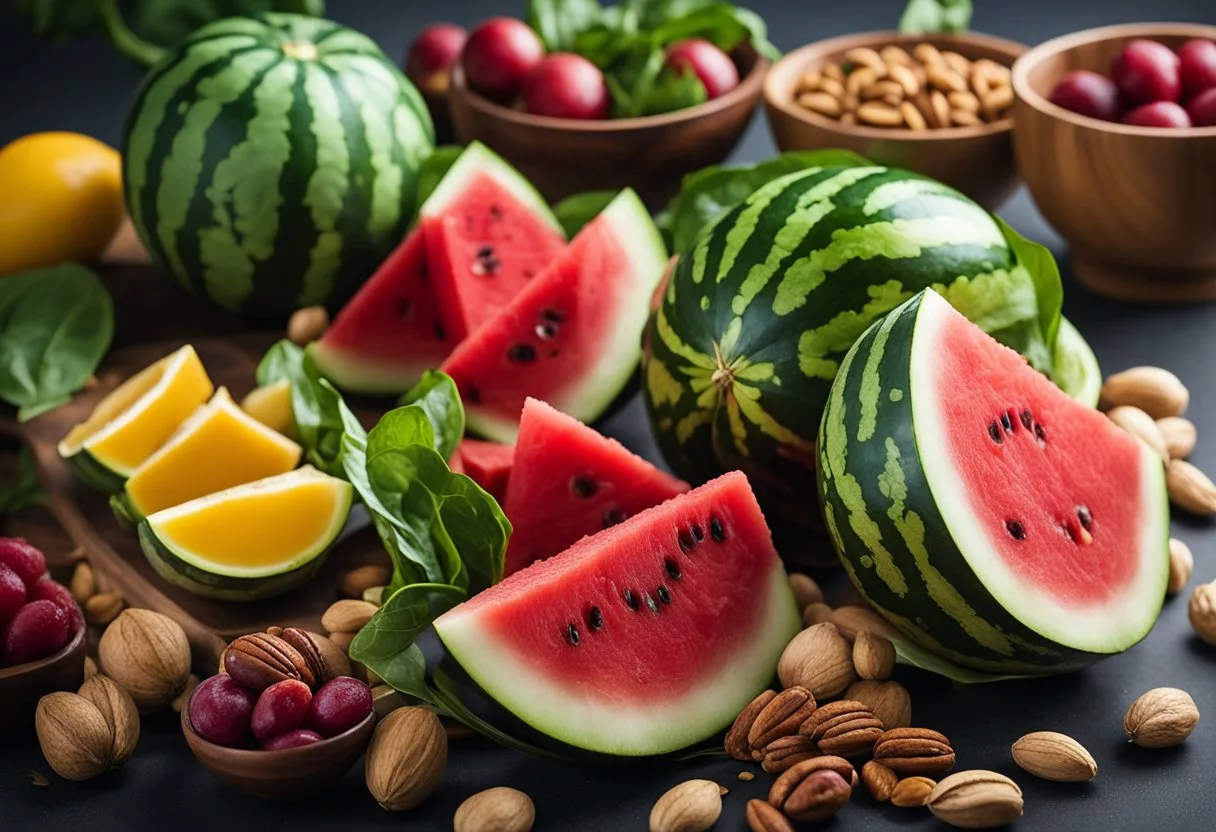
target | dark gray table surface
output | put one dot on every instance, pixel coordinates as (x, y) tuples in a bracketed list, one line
[(84, 86)]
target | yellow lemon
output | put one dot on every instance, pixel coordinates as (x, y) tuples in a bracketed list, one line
[(60, 200)]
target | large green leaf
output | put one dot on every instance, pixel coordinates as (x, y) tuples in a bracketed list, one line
[(436, 396)]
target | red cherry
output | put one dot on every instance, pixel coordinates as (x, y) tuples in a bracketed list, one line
[(339, 705), (1147, 71), (220, 710), (1158, 114), (432, 54), (292, 739), (711, 65), (22, 558), (12, 594), (499, 55), (281, 708), (1088, 94), (1197, 66), (567, 86), (1202, 108), (39, 629), (58, 594)]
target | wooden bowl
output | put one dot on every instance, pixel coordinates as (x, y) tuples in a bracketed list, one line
[(650, 154), (1136, 204), (23, 685), (290, 774), (976, 160)]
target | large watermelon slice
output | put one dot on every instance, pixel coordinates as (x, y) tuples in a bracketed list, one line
[(488, 464), (570, 481), (484, 233), (572, 336), (633, 642), (991, 518)]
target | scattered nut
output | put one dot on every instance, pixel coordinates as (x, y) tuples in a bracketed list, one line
[(1182, 562), (356, 581), (908, 751), (1156, 391), (90, 667), (406, 758), (1054, 756), (1140, 425), (1202, 609), (781, 717), (119, 711), (873, 656), (74, 736), (334, 655), (347, 616), (816, 614), (83, 584), (307, 325), (818, 659), (764, 818), (342, 641), (1190, 489), (890, 701), (1179, 434), (259, 660), (786, 752), (692, 806), (879, 780), (912, 792), (846, 728), (806, 591), (976, 800), (103, 608), (793, 779), (819, 796), (1161, 718), (148, 655), (501, 809), (736, 744), (746, 776), (851, 619)]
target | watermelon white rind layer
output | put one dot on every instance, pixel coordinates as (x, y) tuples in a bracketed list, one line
[(356, 374), (1075, 367), (479, 159)]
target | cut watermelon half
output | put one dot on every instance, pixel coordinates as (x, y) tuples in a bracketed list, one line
[(572, 337), (571, 481), (484, 233), (488, 464), (633, 642)]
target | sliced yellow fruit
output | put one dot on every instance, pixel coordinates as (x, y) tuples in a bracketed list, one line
[(220, 446), (271, 405), (255, 540), (130, 424)]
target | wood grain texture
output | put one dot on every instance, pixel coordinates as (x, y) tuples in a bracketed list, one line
[(1136, 204), (22, 686), (976, 160), (651, 155)]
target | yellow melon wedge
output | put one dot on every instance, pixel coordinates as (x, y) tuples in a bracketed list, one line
[(131, 423), (271, 405), (220, 446), (256, 540)]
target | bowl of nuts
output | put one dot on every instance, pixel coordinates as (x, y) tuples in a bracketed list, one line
[(940, 105)]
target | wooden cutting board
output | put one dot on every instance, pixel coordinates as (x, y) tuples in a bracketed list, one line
[(114, 551)]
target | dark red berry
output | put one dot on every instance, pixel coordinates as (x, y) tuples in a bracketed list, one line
[(1202, 109), (499, 55), (292, 739), (1088, 94), (220, 711), (22, 558), (713, 67), (47, 590), (1159, 114), (12, 594), (1147, 71), (567, 86), (39, 629), (280, 709), (1197, 66), (431, 55), (339, 705)]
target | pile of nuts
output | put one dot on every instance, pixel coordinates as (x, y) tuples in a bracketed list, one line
[(927, 89)]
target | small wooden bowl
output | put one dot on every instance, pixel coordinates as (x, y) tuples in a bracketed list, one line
[(21, 686), (290, 774), (1136, 204), (976, 160), (651, 154)]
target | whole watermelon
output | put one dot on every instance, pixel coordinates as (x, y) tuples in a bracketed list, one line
[(740, 353), (270, 162)]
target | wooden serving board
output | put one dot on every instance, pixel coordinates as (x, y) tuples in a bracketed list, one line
[(114, 551)]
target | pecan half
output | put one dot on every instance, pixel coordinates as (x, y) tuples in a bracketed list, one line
[(306, 647), (818, 797), (764, 818), (784, 752), (736, 744), (782, 716), (914, 751), (258, 660), (846, 728), (790, 779)]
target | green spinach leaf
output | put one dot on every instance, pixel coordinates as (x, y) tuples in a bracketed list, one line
[(55, 327), (436, 396), (559, 22), (434, 168), (1045, 273), (26, 490), (316, 407), (672, 91), (924, 17), (577, 210), (722, 24)]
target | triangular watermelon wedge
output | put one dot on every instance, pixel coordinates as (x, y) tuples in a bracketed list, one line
[(437, 286), (488, 464), (572, 337), (570, 481)]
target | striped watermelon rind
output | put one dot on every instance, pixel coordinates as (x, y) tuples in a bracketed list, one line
[(270, 161), (884, 494)]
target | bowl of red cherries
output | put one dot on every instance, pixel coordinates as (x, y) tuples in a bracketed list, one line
[(42, 643), (276, 722)]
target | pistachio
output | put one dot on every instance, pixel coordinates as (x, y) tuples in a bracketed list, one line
[(83, 584), (1054, 756), (976, 800), (873, 656), (879, 780), (103, 608), (890, 701), (357, 581), (818, 659), (1156, 391), (119, 711), (347, 616), (74, 736), (912, 792), (1182, 562), (1202, 610), (406, 758), (1140, 425), (736, 743), (148, 655), (1161, 718), (764, 818), (806, 591), (692, 806), (1190, 489), (1179, 434), (501, 809)]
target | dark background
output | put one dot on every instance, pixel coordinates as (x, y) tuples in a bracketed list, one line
[(85, 86)]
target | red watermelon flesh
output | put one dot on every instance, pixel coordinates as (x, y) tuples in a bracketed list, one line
[(645, 638), (571, 481), (488, 464), (572, 336), (390, 332)]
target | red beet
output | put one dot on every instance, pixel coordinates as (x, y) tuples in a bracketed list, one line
[(39, 629), (220, 711), (22, 558), (567, 86), (1197, 66), (432, 54), (339, 705), (1158, 114), (281, 708), (499, 55), (711, 65), (1202, 108), (1147, 71), (12, 594), (1088, 94), (292, 739), (61, 596)]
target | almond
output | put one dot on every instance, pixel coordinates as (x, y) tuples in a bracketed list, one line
[(1156, 391), (307, 325), (818, 659), (890, 701), (692, 806), (1054, 756), (912, 792), (816, 614), (103, 608), (357, 581), (1161, 718), (1140, 425), (406, 758), (347, 616), (83, 584), (1202, 612), (976, 800), (806, 591), (873, 656), (851, 619), (1182, 562), (500, 809), (1190, 489), (1179, 434)]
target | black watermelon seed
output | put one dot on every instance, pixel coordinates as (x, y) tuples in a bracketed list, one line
[(485, 252), (583, 487), (405, 309), (521, 352), (572, 634), (698, 533), (994, 431), (496, 212), (546, 331), (595, 618), (1087, 519), (1027, 418), (439, 333), (673, 569), (614, 516), (631, 600), (1040, 433), (716, 530), (1016, 529), (1006, 423), (664, 594), (686, 541), (553, 316), (651, 603), (473, 395)]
